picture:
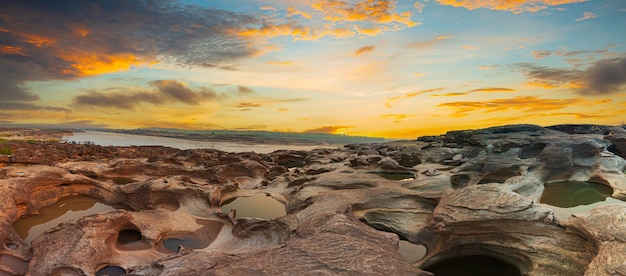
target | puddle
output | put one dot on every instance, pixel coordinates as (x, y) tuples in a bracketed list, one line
[(570, 197), (411, 252), (67, 208), (473, 265), (395, 175), (257, 206), (14, 264), (111, 271), (172, 244)]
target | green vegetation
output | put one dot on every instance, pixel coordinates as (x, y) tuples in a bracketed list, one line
[(4, 147), (32, 142)]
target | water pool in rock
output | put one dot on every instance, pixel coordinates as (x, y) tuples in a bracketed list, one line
[(68, 208), (172, 244), (569, 197), (473, 265), (411, 252), (257, 206)]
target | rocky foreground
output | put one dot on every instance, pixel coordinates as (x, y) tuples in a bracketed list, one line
[(473, 193)]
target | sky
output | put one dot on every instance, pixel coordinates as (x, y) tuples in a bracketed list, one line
[(396, 69)]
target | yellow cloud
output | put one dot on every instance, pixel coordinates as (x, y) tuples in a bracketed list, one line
[(364, 49), (394, 99), (396, 117), (516, 6), (368, 10), (293, 11), (280, 62), (524, 103)]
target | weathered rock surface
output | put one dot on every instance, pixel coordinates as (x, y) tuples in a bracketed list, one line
[(473, 192)]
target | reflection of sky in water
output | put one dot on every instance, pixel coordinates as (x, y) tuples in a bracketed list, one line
[(123, 140), (570, 197), (63, 210), (257, 206)]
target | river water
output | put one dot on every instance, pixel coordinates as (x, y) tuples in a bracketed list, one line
[(122, 140)]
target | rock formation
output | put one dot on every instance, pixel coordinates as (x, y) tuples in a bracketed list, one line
[(473, 192)]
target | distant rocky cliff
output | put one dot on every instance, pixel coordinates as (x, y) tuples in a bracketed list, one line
[(472, 193)]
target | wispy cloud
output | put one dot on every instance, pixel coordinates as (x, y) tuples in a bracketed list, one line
[(364, 49), (389, 103), (397, 118), (516, 6), (478, 90), (586, 16), (523, 103), (539, 54), (429, 43)]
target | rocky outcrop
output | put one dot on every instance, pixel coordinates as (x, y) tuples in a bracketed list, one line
[(473, 192)]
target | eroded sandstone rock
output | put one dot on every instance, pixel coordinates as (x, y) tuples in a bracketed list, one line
[(473, 192)]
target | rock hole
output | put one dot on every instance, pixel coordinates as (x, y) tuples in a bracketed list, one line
[(257, 206), (473, 265), (111, 271), (173, 244), (395, 175), (11, 245), (128, 236), (411, 252), (498, 177), (569, 197), (459, 180), (67, 208)]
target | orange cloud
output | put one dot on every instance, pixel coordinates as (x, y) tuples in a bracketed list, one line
[(293, 11), (368, 10), (12, 50), (419, 74), (392, 100), (328, 129), (603, 101), (280, 62), (493, 89), (450, 94), (524, 103), (91, 64), (364, 49), (515, 6), (539, 54), (481, 90), (295, 31), (397, 117)]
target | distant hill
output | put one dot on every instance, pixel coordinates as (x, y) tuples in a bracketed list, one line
[(250, 136)]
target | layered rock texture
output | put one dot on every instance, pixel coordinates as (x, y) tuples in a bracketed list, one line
[(469, 193)]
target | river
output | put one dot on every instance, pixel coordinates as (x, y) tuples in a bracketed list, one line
[(103, 138)]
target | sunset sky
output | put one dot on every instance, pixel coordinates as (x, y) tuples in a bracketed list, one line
[(397, 69)]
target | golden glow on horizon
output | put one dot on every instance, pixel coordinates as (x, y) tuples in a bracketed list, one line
[(361, 67)]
